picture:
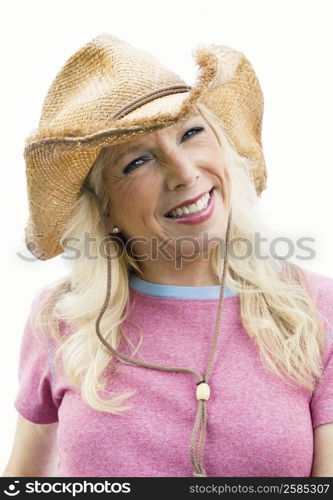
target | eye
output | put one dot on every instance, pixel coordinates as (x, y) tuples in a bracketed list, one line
[(135, 163), (193, 131), (140, 161)]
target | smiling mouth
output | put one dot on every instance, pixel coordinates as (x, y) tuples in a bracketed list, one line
[(194, 208)]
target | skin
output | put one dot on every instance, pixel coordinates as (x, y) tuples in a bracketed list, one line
[(172, 165), (323, 451)]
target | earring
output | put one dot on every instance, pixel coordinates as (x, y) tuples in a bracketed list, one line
[(115, 229)]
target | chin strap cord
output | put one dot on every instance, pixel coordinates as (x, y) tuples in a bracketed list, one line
[(203, 389)]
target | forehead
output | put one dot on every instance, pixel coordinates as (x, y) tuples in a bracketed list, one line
[(133, 145)]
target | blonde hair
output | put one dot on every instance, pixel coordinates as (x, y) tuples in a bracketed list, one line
[(276, 306)]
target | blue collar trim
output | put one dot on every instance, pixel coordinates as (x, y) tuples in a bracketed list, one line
[(179, 292)]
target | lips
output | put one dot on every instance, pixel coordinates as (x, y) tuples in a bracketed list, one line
[(197, 217), (190, 201)]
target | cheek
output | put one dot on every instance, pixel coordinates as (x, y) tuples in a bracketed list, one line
[(221, 171), (225, 183), (133, 197), (212, 158)]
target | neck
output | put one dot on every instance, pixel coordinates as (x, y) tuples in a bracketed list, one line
[(197, 273)]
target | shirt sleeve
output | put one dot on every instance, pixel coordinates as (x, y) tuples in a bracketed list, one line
[(322, 399), (34, 399)]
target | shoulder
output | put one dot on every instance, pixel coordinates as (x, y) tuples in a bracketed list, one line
[(49, 293), (321, 288), (42, 307), (321, 283)]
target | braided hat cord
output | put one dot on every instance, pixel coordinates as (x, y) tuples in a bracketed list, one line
[(200, 424)]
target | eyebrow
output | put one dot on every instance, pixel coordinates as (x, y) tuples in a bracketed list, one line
[(133, 149), (139, 147)]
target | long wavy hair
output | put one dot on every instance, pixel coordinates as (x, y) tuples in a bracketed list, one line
[(277, 308)]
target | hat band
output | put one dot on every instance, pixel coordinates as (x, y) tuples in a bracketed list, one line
[(174, 89)]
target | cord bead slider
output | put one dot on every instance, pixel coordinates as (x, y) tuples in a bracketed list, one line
[(203, 391), (198, 474)]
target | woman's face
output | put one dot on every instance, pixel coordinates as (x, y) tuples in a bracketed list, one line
[(156, 172)]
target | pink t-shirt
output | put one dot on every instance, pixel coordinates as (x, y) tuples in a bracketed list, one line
[(257, 425)]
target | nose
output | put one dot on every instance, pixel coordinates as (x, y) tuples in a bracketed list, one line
[(181, 170)]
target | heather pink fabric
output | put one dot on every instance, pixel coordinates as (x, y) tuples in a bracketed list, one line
[(257, 425)]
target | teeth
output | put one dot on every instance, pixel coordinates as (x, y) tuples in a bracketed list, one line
[(191, 209)]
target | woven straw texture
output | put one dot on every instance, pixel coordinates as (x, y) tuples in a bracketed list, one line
[(110, 92)]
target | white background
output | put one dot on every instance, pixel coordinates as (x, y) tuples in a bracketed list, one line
[(289, 43)]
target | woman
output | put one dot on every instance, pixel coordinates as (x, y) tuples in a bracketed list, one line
[(203, 358)]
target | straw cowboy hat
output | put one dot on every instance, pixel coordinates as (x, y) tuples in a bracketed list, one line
[(109, 92)]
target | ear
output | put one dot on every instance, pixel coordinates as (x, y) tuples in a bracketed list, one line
[(107, 218)]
